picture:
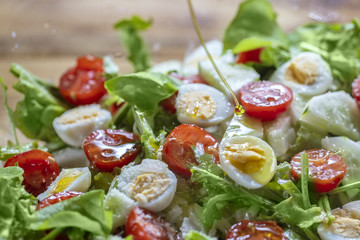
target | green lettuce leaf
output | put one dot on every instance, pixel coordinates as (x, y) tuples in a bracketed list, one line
[(338, 44), (144, 90), (41, 105), (84, 212), (242, 31), (194, 235), (10, 150), (137, 51), (16, 206)]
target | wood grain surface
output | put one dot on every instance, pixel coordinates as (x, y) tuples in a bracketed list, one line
[(46, 36)]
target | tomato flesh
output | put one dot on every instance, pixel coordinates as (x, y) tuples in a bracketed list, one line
[(249, 56), (57, 197), (169, 103), (259, 230), (326, 169), (83, 84), (107, 149), (265, 100), (356, 91), (40, 169), (145, 225), (177, 152)]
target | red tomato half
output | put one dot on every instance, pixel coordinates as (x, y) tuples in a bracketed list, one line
[(249, 56), (264, 99), (90, 62), (169, 103), (145, 225), (326, 169), (356, 90), (83, 84), (57, 197), (255, 230), (107, 149), (177, 152), (40, 169)]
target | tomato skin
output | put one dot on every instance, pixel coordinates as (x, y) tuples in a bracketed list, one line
[(265, 100), (107, 149), (83, 84), (249, 56), (145, 225), (255, 230), (40, 169), (177, 152), (326, 169), (169, 103), (89, 62), (356, 91), (57, 197)]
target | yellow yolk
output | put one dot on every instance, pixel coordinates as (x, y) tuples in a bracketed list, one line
[(302, 71), (197, 105), (149, 186), (64, 182), (245, 157), (345, 224)]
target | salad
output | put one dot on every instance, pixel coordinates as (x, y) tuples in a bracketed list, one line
[(167, 152)]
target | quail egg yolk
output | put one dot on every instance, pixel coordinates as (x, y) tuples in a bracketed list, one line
[(345, 224), (197, 105), (302, 71), (245, 157), (64, 182), (149, 186), (79, 115)]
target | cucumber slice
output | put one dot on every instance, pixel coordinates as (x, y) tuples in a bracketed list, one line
[(305, 67), (166, 67), (236, 75), (335, 113), (280, 134), (350, 151), (243, 126)]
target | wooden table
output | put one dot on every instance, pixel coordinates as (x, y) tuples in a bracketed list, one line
[(46, 36)]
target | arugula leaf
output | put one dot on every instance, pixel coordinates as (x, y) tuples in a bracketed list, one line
[(85, 212), (143, 90), (16, 206), (242, 30), (129, 31), (41, 105), (9, 111), (338, 44)]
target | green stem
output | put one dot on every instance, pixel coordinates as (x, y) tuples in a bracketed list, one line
[(53, 234), (347, 187), (305, 180)]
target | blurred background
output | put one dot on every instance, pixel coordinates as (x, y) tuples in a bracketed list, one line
[(46, 36)]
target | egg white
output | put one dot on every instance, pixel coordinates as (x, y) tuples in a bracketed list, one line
[(76, 124), (129, 175), (81, 182), (240, 177), (224, 109), (322, 82)]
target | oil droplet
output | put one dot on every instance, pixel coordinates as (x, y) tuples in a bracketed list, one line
[(239, 110)]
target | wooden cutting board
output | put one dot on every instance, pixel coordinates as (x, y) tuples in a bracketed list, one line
[(46, 36)]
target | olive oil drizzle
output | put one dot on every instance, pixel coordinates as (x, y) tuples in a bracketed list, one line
[(238, 110)]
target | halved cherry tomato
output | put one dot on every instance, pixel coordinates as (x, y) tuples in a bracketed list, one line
[(83, 84), (356, 91), (259, 230), (326, 169), (177, 152), (40, 169), (169, 103), (107, 149), (249, 56), (264, 99), (145, 225), (57, 197)]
